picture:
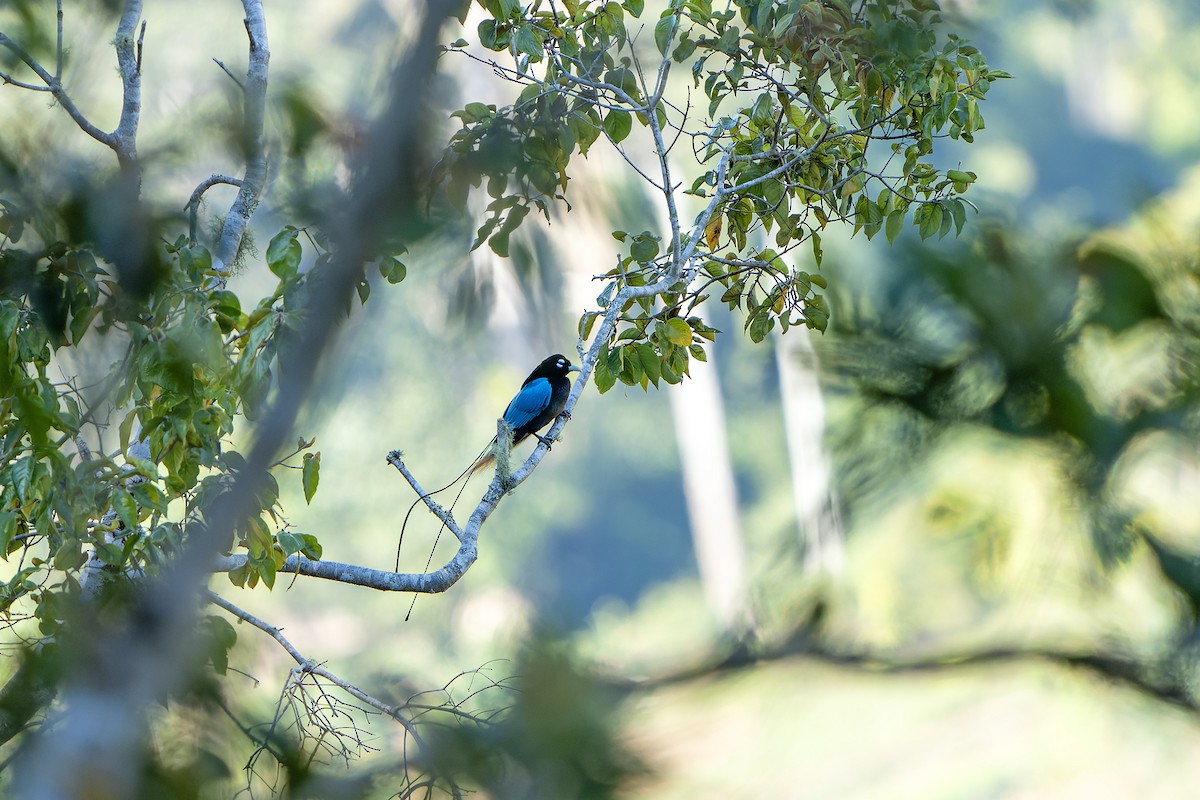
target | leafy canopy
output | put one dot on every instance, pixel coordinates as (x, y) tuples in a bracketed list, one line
[(809, 115), (816, 113)]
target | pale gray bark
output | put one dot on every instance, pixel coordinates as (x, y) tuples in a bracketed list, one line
[(254, 109), (817, 510), (122, 140), (711, 493)]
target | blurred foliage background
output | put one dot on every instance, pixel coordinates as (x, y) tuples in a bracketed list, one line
[(1011, 420)]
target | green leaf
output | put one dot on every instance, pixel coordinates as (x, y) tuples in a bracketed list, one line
[(684, 49), (649, 361), (311, 475), (69, 555), (81, 321), (303, 543), (663, 32), (931, 220), (110, 554), (499, 242), (8, 530), (526, 41), (312, 548), (958, 210), (283, 253), (221, 638), (760, 324), (290, 542), (644, 248), (762, 112), (618, 124), (238, 575), (22, 471), (487, 34), (392, 269), (895, 222), (147, 495), (603, 375), (126, 508), (125, 429), (266, 570)]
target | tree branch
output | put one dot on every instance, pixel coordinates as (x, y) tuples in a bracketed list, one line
[(131, 662), (309, 666), (193, 203), (1116, 669), (423, 583), (53, 85), (129, 64), (254, 109), (229, 72)]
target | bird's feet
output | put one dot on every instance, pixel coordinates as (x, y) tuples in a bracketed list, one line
[(544, 440)]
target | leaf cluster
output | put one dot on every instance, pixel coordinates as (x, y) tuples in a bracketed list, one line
[(818, 113), (193, 357)]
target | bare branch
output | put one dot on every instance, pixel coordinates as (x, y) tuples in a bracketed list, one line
[(54, 86), (229, 72), (193, 203), (396, 459), (11, 81), (660, 148), (1117, 669), (58, 53), (254, 109), (129, 66), (427, 583), (141, 37), (309, 666)]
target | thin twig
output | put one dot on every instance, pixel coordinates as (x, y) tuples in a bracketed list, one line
[(141, 38), (229, 72), (309, 666)]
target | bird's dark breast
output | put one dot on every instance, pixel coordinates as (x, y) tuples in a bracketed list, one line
[(560, 388)]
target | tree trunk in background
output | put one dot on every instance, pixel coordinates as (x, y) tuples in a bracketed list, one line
[(817, 511), (711, 494)]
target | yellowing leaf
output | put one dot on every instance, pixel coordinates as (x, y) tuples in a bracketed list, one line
[(712, 232), (679, 332)]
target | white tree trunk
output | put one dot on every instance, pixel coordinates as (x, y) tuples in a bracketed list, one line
[(711, 494), (817, 511)]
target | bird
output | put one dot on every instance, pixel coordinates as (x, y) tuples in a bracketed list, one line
[(539, 402)]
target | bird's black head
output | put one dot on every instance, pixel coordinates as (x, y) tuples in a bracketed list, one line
[(556, 366)]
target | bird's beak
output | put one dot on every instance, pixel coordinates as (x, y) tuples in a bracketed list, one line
[(573, 368)]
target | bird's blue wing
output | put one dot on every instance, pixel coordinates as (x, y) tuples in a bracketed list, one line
[(532, 400)]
